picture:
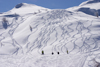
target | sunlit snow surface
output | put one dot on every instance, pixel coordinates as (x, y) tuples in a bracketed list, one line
[(75, 35)]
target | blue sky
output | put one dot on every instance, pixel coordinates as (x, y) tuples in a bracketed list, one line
[(6, 5)]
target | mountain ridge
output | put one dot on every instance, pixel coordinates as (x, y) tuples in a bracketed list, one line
[(23, 4), (24, 8), (89, 2)]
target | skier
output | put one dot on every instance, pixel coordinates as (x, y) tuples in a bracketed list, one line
[(58, 52), (5, 23), (30, 28), (52, 53), (67, 51), (42, 52), (97, 14)]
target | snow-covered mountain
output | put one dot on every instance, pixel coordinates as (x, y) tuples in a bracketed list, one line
[(24, 8), (89, 2), (27, 30)]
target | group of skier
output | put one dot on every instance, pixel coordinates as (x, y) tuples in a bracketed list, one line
[(53, 52)]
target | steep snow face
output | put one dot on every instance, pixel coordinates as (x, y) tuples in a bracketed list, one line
[(56, 30), (24, 8), (75, 35), (43, 32)]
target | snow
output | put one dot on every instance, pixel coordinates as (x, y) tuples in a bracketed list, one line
[(25, 8), (72, 32), (89, 2), (93, 6)]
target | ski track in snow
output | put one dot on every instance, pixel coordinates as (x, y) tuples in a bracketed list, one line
[(75, 36)]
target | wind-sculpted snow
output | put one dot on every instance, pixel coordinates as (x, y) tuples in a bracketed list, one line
[(90, 2), (90, 11), (12, 15), (74, 35)]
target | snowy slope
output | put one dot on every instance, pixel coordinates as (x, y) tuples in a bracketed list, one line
[(73, 32)]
